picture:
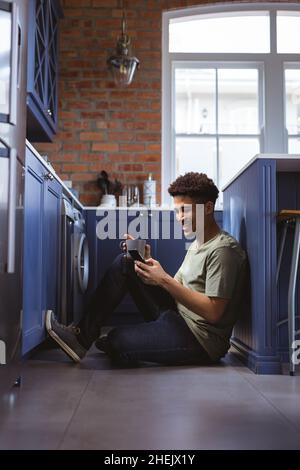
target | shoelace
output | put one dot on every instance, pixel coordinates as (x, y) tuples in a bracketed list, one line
[(74, 329)]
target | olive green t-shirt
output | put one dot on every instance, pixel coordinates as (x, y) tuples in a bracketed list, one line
[(218, 268)]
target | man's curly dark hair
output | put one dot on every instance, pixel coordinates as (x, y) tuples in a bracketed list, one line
[(195, 185)]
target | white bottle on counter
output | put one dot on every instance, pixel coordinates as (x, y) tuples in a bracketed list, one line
[(150, 191)]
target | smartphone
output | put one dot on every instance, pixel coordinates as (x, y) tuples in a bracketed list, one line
[(136, 256)]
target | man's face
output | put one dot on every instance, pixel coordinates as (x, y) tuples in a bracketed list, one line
[(186, 213), (184, 207)]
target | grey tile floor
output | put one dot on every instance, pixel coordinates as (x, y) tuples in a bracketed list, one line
[(61, 405)]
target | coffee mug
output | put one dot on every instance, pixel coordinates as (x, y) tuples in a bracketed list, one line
[(138, 245)]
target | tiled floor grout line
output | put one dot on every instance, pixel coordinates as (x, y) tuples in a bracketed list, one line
[(74, 412), (297, 429)]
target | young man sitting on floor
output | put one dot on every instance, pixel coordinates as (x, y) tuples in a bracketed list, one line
[(188, 318)]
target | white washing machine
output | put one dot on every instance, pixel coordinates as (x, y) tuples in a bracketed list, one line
[(80, 264)]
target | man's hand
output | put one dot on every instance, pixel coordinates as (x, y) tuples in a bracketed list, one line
[(210, 308), (130, 237), (151, 272)]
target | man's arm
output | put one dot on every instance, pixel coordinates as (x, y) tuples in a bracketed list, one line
[(210, 308)]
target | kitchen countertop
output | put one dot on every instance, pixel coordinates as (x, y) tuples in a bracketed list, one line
[(286, 162)]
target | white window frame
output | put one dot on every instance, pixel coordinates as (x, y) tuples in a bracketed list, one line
[(289, 66), (219, 65), (274, 136)]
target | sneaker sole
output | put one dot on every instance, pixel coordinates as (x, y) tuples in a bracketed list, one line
[(59, 341)]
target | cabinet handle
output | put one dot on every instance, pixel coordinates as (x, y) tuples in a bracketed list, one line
[(83, 269), (49, 176), (11, 249)]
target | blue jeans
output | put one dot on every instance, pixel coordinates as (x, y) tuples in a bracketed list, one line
[(163, 338)]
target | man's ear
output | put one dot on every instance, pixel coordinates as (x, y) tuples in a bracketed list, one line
[(209, 207)]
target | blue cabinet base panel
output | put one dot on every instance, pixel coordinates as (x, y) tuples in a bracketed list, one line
[(259, 364)]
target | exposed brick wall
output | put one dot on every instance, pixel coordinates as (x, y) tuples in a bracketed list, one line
[(101, 126)]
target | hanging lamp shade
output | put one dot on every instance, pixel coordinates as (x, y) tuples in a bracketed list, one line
[(122, 64)]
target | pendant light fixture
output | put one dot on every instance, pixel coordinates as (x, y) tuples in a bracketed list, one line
[(122, 64)]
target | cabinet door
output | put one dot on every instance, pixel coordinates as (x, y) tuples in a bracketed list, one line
[(33, 287), (41, 250), (42, 71)]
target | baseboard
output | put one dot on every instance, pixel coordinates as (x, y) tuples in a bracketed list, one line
[(259, 364)]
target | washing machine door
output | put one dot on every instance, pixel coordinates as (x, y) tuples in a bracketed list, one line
[(82, 263)]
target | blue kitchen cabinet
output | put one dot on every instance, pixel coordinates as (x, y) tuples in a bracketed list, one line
[(41, 249), (33, 331), (42, 69), (219, 218), (252, 200)]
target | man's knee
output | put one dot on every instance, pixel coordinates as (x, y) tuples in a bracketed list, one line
[(118, 261), (122, 264)]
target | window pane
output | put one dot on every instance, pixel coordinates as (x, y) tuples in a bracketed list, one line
[(292, 95), (288, 32), (195, 109), (234, 153), (222, 32), (4, 198), (294, 145), (196, 154), (238, 101), (5, 46)]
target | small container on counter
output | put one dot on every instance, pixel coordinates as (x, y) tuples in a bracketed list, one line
[(150, 191)]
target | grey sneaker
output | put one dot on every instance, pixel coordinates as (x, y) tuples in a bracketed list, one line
[(65, 336)]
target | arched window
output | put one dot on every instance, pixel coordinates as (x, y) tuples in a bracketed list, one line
[(231, 87)]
